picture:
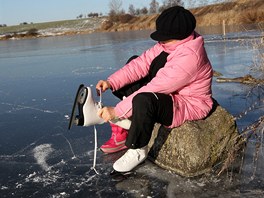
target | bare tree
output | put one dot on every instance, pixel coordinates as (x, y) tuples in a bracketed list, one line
[(170, 3), (131, 10), (115, 6), (137, 11), (80, 16), (144, 10), (153, 7), (91, 14), (191, 3)]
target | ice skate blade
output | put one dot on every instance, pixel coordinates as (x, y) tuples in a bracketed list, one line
[(120, 176)]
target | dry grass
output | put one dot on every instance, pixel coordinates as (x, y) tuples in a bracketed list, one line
[(255, 101), (258, 56), (236, 12), (256, 129), (252, 16)]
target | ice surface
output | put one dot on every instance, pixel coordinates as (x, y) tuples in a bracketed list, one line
[(39, 157)]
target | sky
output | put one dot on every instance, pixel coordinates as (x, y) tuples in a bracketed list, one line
[(14, 12)]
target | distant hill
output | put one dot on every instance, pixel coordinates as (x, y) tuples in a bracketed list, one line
[(237, 12)]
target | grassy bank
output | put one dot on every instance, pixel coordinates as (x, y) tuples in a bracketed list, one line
[(39, 26), (87, 24)]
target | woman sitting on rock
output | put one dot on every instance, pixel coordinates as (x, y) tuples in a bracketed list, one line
[(167, 84)]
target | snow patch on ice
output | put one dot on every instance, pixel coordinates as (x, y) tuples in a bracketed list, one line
[(4, 187), (41, 153)]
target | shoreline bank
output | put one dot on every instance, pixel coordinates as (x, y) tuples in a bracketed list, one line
[(230, 16)]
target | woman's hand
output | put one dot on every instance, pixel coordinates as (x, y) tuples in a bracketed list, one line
[(107, 113), (103, 85)]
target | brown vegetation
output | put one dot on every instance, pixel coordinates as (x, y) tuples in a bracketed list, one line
[(143, 22), (235, 12), (247, 79)]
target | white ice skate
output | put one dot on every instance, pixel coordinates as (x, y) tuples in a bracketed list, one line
[(87, 108)]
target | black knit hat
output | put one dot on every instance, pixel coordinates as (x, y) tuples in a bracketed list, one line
[(174, 23)]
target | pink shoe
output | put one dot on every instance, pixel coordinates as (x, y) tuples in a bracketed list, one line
[(117, 140)]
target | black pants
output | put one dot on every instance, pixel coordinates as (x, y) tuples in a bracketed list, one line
[(147, 108)]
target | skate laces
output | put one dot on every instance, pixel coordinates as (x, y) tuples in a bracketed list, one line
[(131, 155), (100, 105)]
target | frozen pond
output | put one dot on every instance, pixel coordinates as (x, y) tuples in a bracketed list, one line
[(39, 157)]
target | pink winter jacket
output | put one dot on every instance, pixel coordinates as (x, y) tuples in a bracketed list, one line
[(186, 76)]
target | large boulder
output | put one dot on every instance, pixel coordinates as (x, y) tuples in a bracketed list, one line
[(196, 147)]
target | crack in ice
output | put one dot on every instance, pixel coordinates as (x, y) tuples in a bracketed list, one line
[(22, 107)]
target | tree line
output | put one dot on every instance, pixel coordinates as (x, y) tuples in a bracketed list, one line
[(118, 14), (115, 8)]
